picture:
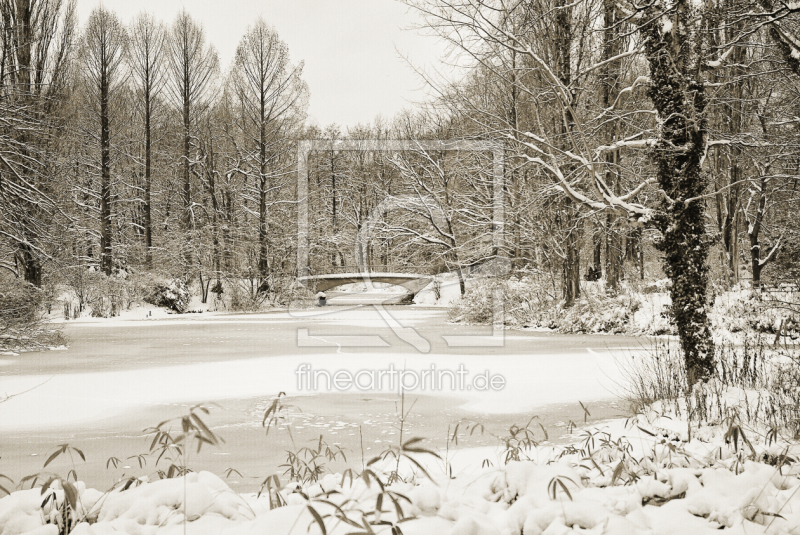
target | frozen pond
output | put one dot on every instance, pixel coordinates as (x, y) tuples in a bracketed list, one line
[(119, 377)]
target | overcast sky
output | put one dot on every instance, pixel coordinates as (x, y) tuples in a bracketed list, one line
[(350, 47)]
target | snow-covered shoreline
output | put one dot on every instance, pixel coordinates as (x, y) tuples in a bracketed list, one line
[(623, 477)]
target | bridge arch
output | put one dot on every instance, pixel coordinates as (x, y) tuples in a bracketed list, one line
[(321, 283)]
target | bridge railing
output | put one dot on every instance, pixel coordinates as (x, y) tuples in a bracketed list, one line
[(391, 268)]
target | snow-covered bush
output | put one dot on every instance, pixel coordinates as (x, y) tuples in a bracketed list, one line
[(476, 305), (21, 316), (20, 303), (639, 310), (531, 303), (174, 295), (245, 295), (103, 295), (285, 290), (659, 286), (762, 312), (240, 297), (142, 285), (109, 295), (597, 314)]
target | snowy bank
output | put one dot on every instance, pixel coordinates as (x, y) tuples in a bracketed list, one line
[(623, 478)]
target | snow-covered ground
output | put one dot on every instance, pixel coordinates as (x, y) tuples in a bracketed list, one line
[(532, 379), (621, 478)]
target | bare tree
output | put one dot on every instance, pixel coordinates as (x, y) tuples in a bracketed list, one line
[(146, 51), (103, 55), (273, 99), (677, 54), (192, 67), (450, 193), (37, 44)]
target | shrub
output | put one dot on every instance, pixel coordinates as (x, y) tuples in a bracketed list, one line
[(597, 314), (528, 302), (22, 324), (754, 379), (245, 295), (759, 312), (659, 286), (20, 304), (105, 296), (240, 298), (144, 284), (174, 295)]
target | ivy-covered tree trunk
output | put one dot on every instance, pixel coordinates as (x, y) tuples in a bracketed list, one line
[(680, 101)]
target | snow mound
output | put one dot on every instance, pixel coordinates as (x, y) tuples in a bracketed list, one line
[(625, 478)]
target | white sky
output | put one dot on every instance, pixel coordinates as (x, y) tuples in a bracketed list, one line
[(350, 47)]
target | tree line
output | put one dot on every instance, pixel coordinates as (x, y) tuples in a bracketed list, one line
[(124, 145), (666, 129)]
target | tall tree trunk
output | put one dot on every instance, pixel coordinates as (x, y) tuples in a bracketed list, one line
[(29, 264), (23, 27), (736, 126), (333, 196), (611, 47), (187, 185), (336, 254), (571, 265), (757, 259), (597, 250), (634, 249), (571, 274), (679, 100), (513, 189), (105, 179), (211, 188), (263, 249), (613, 254), (263, 231), (148, 182)]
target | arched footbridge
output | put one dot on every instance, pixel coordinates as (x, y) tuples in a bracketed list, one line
[(400, 276)]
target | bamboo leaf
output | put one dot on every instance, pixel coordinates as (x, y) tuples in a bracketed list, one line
[(71, 493), (52, 457), (318, 519)]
